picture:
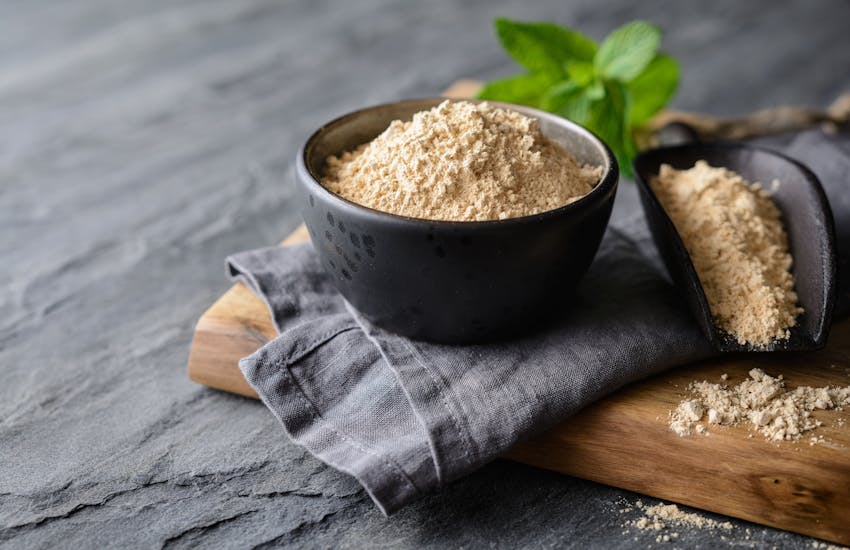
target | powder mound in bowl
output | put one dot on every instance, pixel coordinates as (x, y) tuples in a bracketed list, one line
[(734, 235), (461, 161)]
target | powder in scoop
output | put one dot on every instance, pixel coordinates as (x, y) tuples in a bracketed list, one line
[(461, 161), (733, 233), (763, 401)]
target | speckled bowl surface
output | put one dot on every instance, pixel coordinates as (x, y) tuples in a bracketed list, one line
[(452, 282)]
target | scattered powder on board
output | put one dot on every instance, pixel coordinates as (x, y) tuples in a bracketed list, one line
[(461, 161), (763, 401), (734, 235)]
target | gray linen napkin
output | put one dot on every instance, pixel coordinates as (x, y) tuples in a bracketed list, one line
[(406, 417)]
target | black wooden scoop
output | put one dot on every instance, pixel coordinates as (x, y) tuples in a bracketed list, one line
[(805, 213)]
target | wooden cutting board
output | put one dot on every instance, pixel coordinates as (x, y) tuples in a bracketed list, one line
[(624, 440)]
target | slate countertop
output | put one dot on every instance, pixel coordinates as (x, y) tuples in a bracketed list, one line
[(141, 142)]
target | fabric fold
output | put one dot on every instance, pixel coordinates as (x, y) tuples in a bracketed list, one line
[(274, 374)]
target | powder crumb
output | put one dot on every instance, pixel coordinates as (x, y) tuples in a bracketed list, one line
[(724, 376), (686, 414), (734, 235), (692, 410), (461, 161), (713, 416), (827, 546), (661, 517), (761, 400)]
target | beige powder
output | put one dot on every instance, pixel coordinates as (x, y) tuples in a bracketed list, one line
[(827, 546), (733, 233), (461, 161), (662, 518), (762, 401)]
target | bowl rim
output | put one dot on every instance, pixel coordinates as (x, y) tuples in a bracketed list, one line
[(716, 335), (606, 184)]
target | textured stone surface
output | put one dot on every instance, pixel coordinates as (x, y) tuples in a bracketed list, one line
[(141, 142)]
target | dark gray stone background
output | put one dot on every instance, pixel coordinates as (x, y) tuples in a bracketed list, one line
[(142, 142)]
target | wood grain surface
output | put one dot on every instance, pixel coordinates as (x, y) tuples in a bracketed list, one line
[(624, 440)]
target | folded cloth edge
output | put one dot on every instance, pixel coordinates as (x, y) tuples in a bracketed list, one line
[(294, 411)]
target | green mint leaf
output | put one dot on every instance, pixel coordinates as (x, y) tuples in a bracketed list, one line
[(608, 119), (652, 89), (627, 51), (579, 110), (526, 89), (628, 147), (580, 72), (543, 47), (596, 91), (560, 96), (609, 90), (572, 103)]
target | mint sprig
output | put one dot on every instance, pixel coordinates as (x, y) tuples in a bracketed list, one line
[(611, 88)]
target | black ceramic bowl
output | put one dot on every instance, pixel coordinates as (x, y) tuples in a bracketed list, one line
[(808, 222), (444, 281)]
